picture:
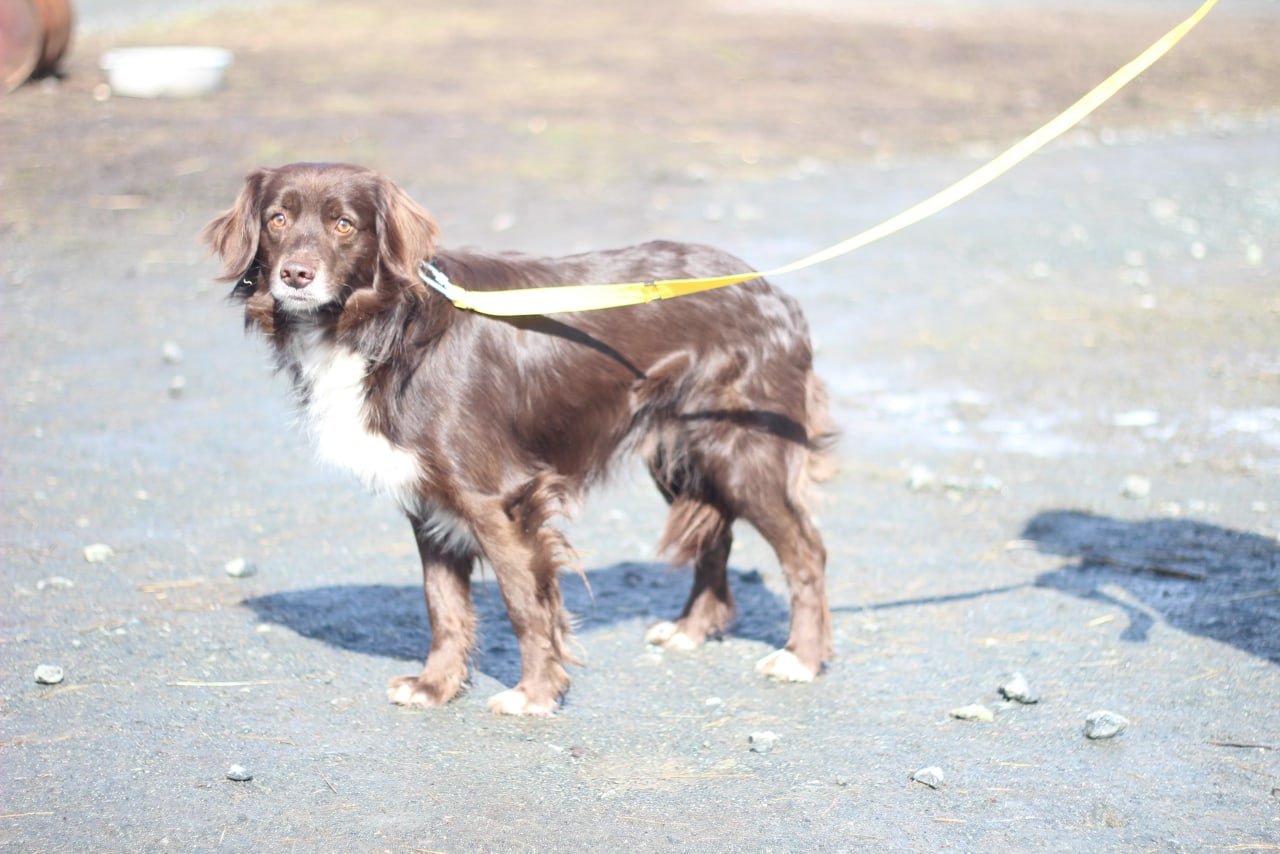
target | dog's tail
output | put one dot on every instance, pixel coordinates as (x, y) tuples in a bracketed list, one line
[(821, 430)]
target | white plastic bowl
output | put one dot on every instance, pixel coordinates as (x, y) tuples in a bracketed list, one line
[(175, 72)]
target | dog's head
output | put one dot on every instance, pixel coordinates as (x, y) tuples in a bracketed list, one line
[(311, 238)]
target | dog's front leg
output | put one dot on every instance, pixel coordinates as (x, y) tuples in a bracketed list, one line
[(525, 563), (446, 582)]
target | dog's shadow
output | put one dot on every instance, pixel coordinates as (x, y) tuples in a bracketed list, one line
[(1199, 578), (390, 621)]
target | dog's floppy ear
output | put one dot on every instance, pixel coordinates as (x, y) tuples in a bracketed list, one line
[(406, 232), (233, 235)]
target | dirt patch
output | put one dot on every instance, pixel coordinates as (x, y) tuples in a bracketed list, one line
[(580, 94)]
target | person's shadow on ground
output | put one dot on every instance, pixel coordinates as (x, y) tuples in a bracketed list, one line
[(390, 621), (1199, 578)]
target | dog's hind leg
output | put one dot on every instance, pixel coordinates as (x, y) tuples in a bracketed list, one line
[(774, 503), (772, 493), (799, 547), (446, 583), (701, 532)]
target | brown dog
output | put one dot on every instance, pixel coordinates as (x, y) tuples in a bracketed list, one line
[(483, 429)]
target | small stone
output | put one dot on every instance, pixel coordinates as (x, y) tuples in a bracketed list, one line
[(930, 776), (98, 553), (974, 712), (698, 173), (239, 774), (1104, 724), (1138, 277), (172, 352), (990, 483), (1016, 688), (1136, 487), (57, 582), (1137, 418), (239, 568), (48, 674), (177, 386), (842, 780), (714, 701), (1163, 210), (920, 478), (762, 742)]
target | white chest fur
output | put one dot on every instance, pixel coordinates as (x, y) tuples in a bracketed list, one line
[(335, 411)]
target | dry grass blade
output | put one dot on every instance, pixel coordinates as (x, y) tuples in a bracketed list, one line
[(1243, 745), (1144, 565), (179, 584), (193, 683)]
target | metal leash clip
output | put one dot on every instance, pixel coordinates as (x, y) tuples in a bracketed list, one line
[(434, 278)]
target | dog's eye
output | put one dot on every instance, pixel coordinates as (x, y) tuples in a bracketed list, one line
[(277, 221), (344, 226)]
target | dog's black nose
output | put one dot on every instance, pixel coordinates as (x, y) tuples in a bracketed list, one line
[(297, 275)]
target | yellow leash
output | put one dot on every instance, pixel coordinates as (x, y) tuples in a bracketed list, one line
[(570, 298)]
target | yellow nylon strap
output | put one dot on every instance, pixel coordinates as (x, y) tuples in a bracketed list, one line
[(570, 298)]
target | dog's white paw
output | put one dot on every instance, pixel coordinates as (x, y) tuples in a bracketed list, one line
[(668, 636), (402, 694), (513, 702), (785, 667), (420, 692)]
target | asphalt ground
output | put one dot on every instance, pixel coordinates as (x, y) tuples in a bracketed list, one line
[(1060, 405)]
